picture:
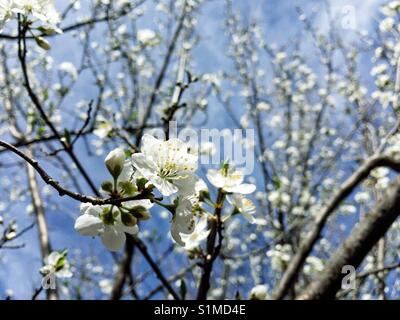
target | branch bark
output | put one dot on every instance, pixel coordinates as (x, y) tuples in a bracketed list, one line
[(61, 190), (43, 231), (354, 249), (123, 271), (212, 251), (290, 275)]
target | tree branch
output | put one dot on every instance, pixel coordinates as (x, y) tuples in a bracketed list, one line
[(290, 275), (63, 191), (212, 250), (354, 249)]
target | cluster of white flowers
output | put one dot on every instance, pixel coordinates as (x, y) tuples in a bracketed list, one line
[(391, 8), (112, 222), (43, 11), (280, 255), (170, 168), (37, 15)]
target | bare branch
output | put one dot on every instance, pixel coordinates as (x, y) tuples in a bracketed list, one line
[(295, 265), (354, 249)]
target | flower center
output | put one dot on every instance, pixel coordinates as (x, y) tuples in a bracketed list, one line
[(171, 170)]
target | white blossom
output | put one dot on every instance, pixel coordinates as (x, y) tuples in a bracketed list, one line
[(167, 165), (41, 10), (387, 24), (230, 181), (259, 292), (68, 68), (106, 286), (56, 263), (245, 206), (106, 222), (103, 128), (6, 11), (147, 37)]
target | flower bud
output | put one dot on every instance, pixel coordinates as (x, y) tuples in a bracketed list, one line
[(107, 216), (107, 186), (141, 183), (43, 43), (140, 212), (128, 219), (115, 162)]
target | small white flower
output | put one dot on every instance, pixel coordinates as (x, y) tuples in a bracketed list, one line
[(103, 129), (280, 56), (6, 13), (230, 181), (245, 121), (263, 106), (148, 37), (259, 292), (43, 10), (362, 197), (245, 206), (101, 221), (11, 231), (69, 69), (387, 24), (115, 162), (106, 286), (56, 263), (167, 165), (314, 264)]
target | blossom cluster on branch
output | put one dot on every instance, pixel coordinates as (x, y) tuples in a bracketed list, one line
[(170, 168)]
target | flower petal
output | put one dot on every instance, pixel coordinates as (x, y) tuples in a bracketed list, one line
[(216, 178), (88, 225), (53, 258), (150, 145), (250, 218), (176, 235), (186, 185), (244, 188), (113, 238), (165, 187), (144, 165)]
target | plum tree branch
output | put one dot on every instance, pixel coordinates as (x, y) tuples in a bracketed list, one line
[(354, 249), (79, 25), (212, 250), (290, 275), (61, 190)]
